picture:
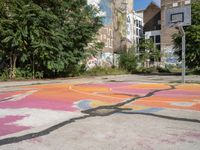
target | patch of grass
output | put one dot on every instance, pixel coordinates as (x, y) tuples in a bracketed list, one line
[(100, 71)]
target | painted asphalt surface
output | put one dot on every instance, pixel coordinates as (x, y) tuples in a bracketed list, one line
[(43, 109)]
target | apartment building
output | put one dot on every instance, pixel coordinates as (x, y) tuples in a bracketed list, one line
[(138, 28), (151, 16), (152, 24)]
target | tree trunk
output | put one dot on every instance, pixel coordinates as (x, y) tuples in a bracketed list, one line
[(33, 67), (14, 58), (11, 66)]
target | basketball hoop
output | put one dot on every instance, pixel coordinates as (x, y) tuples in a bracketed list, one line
[(179, 17)]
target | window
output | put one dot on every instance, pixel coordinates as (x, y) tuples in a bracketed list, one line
[(137, 32), (140, 33), (108, 42), (159, 22), (101, 36), (187, 2), (175, 4), (111, 33), (140, 24), (137, 41), (157, 38), (137, 23), (152, 38), (111, 43), (158, 47)]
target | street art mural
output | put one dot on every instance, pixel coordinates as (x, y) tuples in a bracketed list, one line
[(169, 57), (30, 108), (105, 59)]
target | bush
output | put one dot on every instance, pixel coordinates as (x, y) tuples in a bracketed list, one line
[(163, 70), (146, 70), (4, 75), (128, 61), (196, 71), (99, 71)]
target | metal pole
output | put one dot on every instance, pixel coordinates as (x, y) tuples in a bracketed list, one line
[(183, 58), (183, 52)]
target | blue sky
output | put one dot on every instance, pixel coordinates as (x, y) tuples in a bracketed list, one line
[(141, 4)]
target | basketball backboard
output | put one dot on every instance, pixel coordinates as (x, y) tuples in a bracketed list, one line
[(181, 15)]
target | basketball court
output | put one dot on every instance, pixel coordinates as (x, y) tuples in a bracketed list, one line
[(33, 114)]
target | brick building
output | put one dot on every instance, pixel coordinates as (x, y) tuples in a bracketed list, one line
[(152, 26), (167, 46)]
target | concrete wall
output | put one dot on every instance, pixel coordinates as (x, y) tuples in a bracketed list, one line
[(122, 10)]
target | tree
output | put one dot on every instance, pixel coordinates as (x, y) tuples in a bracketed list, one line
[(46, 37), (192, 39), (128, 60), (148, 51)]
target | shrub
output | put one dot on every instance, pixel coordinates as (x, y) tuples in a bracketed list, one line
[(163, 70), (146, 70), (128, 61), (99, 71)]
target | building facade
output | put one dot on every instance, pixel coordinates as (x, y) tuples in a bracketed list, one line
[(138, 28), (152, 24), (117, 32), (167, 46), (122, 24), (151, 28)]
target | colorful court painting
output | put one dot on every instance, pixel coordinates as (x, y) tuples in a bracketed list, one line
[(39, 106)]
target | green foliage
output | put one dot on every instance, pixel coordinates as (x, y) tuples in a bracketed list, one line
[(163, 70), (144, 70), (128, 60), (46, 38), (196, 71), (192, 39), (99, 71), (148, 51)]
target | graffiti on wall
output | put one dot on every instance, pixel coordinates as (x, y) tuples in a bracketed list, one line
[(103, 60), (169, 57)]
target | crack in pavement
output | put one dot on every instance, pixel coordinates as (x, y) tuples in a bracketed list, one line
[(161, 116), (98, 111), (116, 106)]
